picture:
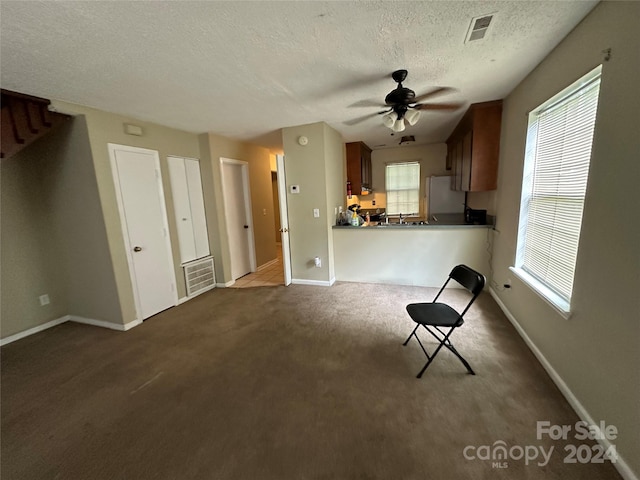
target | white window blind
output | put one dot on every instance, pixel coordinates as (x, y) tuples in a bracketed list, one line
[(403, 188), (556, 170)]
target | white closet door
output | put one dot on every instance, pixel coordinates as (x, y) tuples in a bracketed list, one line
[(182, 208), (196, 200)]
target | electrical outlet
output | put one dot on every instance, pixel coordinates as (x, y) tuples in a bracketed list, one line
[(264, 212), (44, 300)]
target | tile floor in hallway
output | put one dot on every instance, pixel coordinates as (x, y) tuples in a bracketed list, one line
[(266, 277)]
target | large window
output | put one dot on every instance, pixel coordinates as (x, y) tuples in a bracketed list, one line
[(556, 168), (402, 181)]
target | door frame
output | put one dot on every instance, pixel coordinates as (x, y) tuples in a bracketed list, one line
[(125, 230), (246, 190), (284, 218)]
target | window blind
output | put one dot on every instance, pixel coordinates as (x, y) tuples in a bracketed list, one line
[(558, 153), (403, 188)]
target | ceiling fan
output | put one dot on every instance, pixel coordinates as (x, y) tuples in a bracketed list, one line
[(403, 105)]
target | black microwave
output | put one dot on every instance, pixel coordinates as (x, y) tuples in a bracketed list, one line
[(475, 217)]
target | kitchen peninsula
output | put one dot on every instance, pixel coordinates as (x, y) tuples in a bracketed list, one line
[(421, 255)]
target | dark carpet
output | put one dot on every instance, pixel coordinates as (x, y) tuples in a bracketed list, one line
[(279, 383)]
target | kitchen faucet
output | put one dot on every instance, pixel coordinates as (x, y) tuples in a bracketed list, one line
[(401, 220)]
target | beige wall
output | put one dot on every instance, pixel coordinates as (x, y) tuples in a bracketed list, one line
[(335, 163), (596, 352), (318, 169), (104, 128), (53, 237), (213, 148)]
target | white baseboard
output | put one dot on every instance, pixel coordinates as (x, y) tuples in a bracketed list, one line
[(225, 285), (186, 299), (621, 465), (318, 283), (70, 318), (101, 323), (267, 265), (31, 331)]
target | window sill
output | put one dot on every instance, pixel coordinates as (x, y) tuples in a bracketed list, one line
[(558, 303)]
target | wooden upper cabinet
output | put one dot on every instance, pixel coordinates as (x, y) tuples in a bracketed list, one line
[(359, 167), (474, 148)]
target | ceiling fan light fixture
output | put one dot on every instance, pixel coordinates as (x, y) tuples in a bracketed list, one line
[(412, 116), (389, 119), (398, 126)]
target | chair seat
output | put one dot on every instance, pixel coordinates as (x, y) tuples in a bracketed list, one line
[(436, 314)]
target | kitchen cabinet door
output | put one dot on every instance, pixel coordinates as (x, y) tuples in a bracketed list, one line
[(475, 147), (457, 155), (188, 207), (467, 156), (359, 167)]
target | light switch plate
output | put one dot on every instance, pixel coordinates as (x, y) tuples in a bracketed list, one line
[(316, 213)]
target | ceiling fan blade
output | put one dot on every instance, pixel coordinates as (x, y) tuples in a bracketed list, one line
[(434, 93), (355, 121), (437, 106), (367, 103)]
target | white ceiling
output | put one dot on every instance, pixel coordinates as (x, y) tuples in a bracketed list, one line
[(245, 70)]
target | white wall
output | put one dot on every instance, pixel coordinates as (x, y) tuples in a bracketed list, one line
[(597, 351), (421, 256)]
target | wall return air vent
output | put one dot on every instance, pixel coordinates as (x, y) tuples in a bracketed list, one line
[(478, 28), (199, 276)]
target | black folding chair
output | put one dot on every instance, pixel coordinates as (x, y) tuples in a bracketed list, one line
[(436, 317)]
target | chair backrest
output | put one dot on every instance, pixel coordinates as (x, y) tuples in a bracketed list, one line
[(469, 279)]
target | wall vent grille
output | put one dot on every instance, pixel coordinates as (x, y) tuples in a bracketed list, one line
[(199, 276)]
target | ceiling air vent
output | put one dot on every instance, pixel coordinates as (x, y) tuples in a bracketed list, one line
[(478, 28)]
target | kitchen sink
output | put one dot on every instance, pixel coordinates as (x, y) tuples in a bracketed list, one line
[(407, 224)]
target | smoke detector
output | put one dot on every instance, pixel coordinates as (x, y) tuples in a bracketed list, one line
[(478, 28)]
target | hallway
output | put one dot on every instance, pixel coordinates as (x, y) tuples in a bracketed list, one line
[(269, 276)]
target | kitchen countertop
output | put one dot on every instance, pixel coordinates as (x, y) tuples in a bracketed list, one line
[(449, 220)]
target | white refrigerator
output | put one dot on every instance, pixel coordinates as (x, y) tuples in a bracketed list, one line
[(440, 198)]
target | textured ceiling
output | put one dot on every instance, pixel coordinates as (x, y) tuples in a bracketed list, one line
[(245, 70)]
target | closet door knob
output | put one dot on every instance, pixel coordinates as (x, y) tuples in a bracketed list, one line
[(137, 249)]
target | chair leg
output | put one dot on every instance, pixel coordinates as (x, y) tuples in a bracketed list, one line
[(461, 358), (412, 334), (444, 341), (430, 360)]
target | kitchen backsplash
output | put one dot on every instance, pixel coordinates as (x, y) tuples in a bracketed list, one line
[(367, 201)]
